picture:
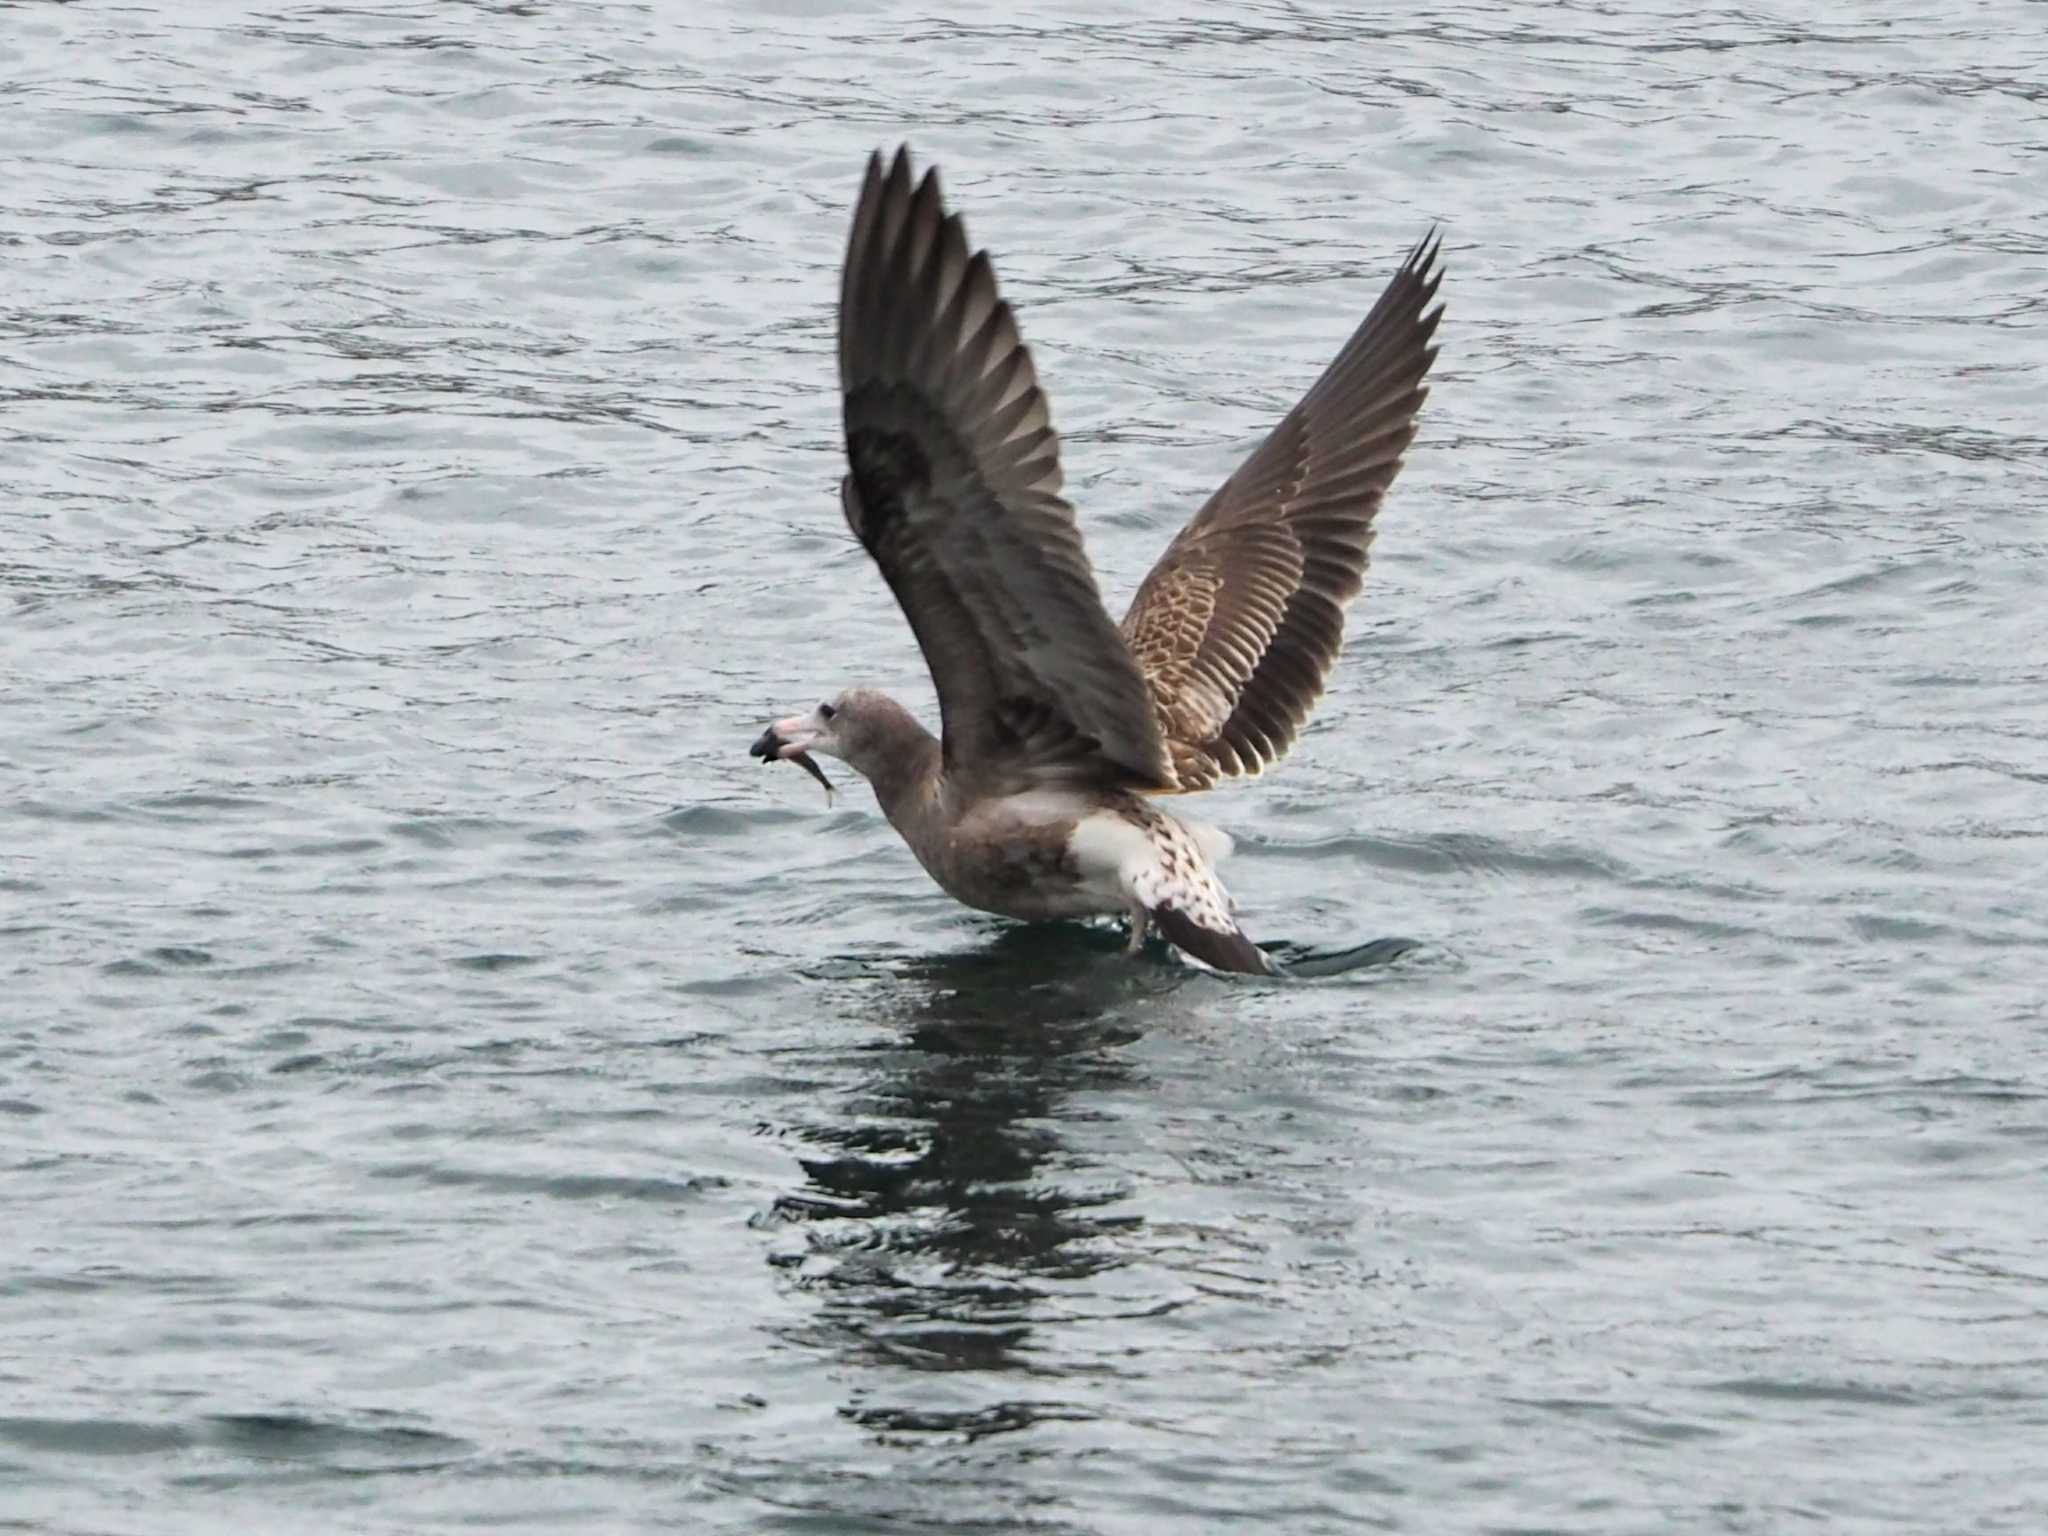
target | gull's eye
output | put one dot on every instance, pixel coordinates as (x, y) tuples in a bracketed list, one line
[(826, 711)]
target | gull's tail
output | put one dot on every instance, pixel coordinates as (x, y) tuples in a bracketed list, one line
[(1227, 949)]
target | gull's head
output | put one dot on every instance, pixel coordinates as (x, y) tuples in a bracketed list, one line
[(857, 727)]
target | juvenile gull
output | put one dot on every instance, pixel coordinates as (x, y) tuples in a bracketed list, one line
[(1057, 725)]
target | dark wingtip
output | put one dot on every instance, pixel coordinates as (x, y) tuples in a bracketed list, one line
[(1425, 265), (1230, 951)]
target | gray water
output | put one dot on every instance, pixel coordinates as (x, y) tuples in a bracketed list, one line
[(444, 1083)]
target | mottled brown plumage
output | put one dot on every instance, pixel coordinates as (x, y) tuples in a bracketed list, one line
[(1055, 720), (955, 491), (1237, 626)]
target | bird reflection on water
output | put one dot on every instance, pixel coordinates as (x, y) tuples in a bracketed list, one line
[(946, 1210), (943, 1203)]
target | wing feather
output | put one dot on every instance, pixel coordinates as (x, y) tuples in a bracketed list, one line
[(954, 490), (1237, 626)]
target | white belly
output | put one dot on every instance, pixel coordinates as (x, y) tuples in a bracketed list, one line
[(1138, 856)]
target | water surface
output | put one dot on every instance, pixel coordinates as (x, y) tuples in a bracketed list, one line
[(445, 1083)]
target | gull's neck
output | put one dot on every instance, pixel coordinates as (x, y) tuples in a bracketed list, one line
[(904, 764)]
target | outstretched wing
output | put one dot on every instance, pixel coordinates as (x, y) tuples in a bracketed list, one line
[(1237, 626), (955, 492)]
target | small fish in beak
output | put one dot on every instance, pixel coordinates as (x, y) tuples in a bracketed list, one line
[(770, 747)]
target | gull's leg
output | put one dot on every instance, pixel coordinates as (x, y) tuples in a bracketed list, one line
[(1139, 923)]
